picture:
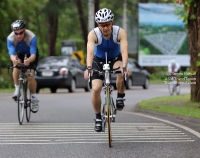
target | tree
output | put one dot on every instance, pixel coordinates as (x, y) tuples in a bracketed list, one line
[(82, 21), (53, 9), (191, 17)]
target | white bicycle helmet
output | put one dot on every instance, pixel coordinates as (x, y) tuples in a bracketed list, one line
[(104, 15), (173, 62), (18, 24)]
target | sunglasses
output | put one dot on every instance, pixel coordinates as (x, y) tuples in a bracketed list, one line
[(105, 25), (19, 33)]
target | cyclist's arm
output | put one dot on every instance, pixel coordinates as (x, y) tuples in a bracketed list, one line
[(123, 46), (90, 48), (33, 49), (11, 50), (169, 68)]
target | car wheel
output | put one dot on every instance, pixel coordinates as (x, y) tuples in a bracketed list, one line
[(128, 83), (53, 89), (87, 89), (73, 86), (146, 84), (37, 89)]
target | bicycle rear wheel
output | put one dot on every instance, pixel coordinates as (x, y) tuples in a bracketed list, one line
[(178, 89), (108, 116), (21, 102), (28, 102), (171, 87)]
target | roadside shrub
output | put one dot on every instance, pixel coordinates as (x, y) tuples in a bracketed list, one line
[(6, 84)]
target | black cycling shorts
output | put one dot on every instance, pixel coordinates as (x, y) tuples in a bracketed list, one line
[(33, 64), (97, 65)]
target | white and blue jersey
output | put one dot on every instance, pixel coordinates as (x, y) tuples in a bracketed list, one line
[(111, 46), (27, 46)]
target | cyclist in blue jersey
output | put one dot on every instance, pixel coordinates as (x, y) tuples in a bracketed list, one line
[(113, 40), (22, 42)]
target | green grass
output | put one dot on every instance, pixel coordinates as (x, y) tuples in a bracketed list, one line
[(179, 105), (157, 81), (7, 90)]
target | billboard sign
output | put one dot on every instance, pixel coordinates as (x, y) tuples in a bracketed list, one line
[(162, 36)]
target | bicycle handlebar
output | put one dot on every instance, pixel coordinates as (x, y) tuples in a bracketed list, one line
[(21, 66)]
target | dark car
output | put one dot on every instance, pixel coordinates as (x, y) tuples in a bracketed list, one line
[(138, 76), (60, 72)]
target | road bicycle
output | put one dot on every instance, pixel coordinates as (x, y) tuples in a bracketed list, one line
[(24, 95), (173, 86), (109, 109)]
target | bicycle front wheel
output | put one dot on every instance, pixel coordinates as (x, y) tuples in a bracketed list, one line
[(108, 116), (21, 102), (28, 103)]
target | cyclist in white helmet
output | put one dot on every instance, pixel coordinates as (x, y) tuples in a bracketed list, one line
[(173, 68), (113, 40)]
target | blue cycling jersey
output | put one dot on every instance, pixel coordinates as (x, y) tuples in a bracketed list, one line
[(111, 46), (27, 46)]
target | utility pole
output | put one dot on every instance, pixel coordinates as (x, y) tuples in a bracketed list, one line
[(124, 21), (90, 15)]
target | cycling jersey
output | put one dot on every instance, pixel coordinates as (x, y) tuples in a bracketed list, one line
[(174, 69), (111, 46), (27, 46)]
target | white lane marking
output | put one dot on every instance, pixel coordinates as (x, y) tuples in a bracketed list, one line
[(121, 132), (118, 139), (102, 136), (137, 134), (169, 122), (167, 141)]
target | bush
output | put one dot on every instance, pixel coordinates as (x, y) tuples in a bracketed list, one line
[(6, 84), (158, 76)]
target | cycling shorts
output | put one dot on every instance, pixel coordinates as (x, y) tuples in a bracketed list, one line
[(33, 64), (97, 65)]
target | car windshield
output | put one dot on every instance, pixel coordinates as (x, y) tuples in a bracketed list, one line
[(59, 61)]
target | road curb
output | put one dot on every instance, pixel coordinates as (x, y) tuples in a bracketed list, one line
[(180, 117)]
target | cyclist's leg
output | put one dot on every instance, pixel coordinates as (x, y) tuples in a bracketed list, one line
[(119, 84), (96, 102), (16, 73), (96, 94), (120, 78), (33, 85), (96, 97)]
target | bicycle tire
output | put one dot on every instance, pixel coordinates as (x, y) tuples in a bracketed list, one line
[(108, 116), (178, 89), (28, 102), (171, 87), (21, 102)]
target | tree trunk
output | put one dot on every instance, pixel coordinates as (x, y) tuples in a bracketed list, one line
[(194, 49), (83, 23), (144, 1), (53, 28), (96, 8)]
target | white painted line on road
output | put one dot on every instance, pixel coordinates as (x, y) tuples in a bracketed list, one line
[(137, 134), (169, 122), (76, 124), (81, 132), (166, 141), (99, 136), (74, 133), (118, 139), (88, 130)]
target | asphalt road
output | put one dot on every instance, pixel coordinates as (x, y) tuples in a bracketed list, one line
[(63, 127)]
